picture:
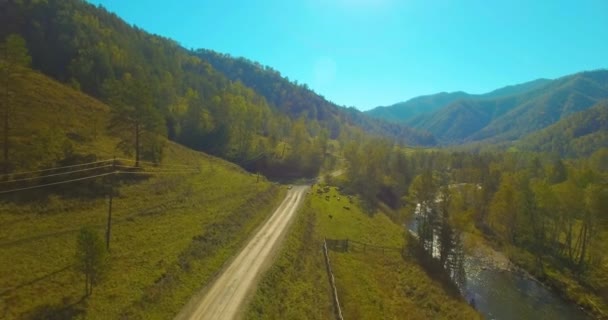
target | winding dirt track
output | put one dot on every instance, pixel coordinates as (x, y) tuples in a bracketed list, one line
[(228, 293)]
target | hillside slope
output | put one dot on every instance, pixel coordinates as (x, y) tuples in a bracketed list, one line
[(298, 100), (541, 108), (578, 135), (94, 50), (165, 238)]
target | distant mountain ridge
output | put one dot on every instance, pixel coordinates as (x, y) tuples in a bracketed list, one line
[(509, 113), (404, 111)]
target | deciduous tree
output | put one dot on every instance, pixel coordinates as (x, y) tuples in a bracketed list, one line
[(133, 118), (91, 257)]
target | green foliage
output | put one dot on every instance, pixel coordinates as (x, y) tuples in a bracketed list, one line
[(508, 117), (14, 53), (61, 127), (91, 258), (133, 118), (578, 135), (297, 100), (371, 284), (409, 110), (242, 117), (404, 111), (14, 57), (542, 209)]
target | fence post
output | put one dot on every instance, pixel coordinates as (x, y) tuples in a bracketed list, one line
[(332, 282)]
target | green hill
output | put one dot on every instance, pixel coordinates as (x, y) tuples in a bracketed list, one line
[(404, 111), (509, 118), (298, 100), (408, 111), (578, 135), (172, 228), (208, 110)]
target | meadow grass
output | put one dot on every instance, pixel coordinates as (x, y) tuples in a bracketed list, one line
[(371, 284), (170, 233)]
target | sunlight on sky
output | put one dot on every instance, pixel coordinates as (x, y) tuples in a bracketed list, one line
[(365, 3), (366, 53), (325, 71), (355, 4)]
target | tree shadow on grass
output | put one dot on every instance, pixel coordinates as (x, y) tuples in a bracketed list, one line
[(61, 311), (36, 280)]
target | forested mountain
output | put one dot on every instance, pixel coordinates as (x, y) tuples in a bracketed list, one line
[(405, 111), (578, 135), (95, 51), (545, 106), (298, 100), (515, 89), (511, 117)]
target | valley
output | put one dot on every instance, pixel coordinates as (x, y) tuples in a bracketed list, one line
[(147, 177)]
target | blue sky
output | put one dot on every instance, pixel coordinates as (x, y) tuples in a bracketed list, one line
[(365, 53)]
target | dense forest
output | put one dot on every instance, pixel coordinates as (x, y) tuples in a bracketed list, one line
[(298, 100), (535, 183), (547, 212), (578, 135), (257, 119)]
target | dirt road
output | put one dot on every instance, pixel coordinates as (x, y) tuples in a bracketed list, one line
[(227, 294)]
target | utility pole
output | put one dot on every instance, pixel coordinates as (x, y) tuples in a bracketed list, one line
[(109, 227), (109, 220)]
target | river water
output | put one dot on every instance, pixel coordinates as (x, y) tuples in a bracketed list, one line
[(503, 293), (506, 294)]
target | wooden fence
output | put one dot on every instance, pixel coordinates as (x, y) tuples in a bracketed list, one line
[(347, 245), (332, 282)]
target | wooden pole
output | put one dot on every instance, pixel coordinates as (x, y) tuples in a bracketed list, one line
[(109, 223), (109, 227)]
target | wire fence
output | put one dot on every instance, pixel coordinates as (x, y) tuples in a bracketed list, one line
[(23, 181), (348, 245), (332, 282)]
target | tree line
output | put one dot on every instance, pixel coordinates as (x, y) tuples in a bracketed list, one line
[(244, 116), (552, 210), (156, 89)]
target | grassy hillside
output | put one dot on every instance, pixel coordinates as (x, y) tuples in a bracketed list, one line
[(371, 284), (171, 232)]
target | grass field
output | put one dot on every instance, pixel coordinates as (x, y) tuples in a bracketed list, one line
[(171, 233), (371, 284)]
